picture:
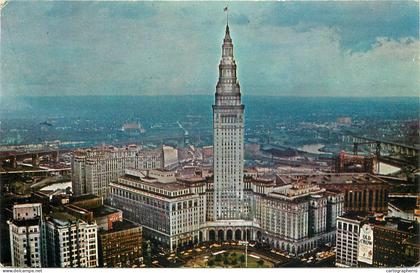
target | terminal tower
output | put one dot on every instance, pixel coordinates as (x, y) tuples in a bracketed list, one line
[(228, 139)]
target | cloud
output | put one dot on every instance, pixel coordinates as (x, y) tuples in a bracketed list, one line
[(136, 48), (359, 23)]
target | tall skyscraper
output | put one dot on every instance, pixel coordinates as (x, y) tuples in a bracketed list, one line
[(228, 134)]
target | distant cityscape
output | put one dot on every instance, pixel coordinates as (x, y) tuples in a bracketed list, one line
[(228, 181)]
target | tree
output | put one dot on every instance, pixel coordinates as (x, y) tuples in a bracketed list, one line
[(226, 260), (260, 262), (210, 263), (242, 258), (218, 258)]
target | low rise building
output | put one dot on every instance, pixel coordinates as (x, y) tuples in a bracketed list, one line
[(121, 246), (411, 250), (391, 242), (363, 192)]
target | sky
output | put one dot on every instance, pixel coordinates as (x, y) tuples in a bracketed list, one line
[(337, 48)]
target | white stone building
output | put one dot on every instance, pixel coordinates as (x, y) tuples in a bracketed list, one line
[(27, 236), (228, 139), (71, 242), (347, 240), (94, 169)]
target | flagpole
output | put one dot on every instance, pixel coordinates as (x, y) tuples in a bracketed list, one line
[(227, 15)]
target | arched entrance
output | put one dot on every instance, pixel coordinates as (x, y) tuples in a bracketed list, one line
[(259, 235), (200, 236), (212, 235), (221, 235), (238, 235), (229, 235)]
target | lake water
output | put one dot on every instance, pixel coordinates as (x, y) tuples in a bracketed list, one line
[(312, 148)]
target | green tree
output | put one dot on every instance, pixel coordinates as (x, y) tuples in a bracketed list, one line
[(218, 258), (260, 262), (210, 263), (242, 258), (226, 260)]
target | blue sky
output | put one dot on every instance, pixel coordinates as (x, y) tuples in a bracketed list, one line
[(341, 48)]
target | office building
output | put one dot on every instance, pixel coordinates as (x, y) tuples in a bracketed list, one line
[(94, 169), (393, 242), (364, 193), (120, 246), (347, 239), (71, 242), (27, 236), (228, 139)]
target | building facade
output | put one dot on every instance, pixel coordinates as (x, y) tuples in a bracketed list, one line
[(27, 236), (363, 192), (71, 242), (390, 240), (228, 139), (94, 169), (347, 240), (177, 211), (170, 212), (121, 245)]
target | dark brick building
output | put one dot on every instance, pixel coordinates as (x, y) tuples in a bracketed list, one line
[(121, 245)]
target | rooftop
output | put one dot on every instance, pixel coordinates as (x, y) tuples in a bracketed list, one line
[(120, 226), (26, 222), (84, 197), (103, 211), (172, 186), (357, 216), (403, 203), (62, 218), (336, 178)]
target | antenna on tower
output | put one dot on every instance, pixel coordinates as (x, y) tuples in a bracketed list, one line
[(227, 15)]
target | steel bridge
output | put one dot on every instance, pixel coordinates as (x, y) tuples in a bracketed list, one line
[(408, 154)]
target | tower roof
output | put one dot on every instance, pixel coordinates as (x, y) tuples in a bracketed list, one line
[(227, 32)]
